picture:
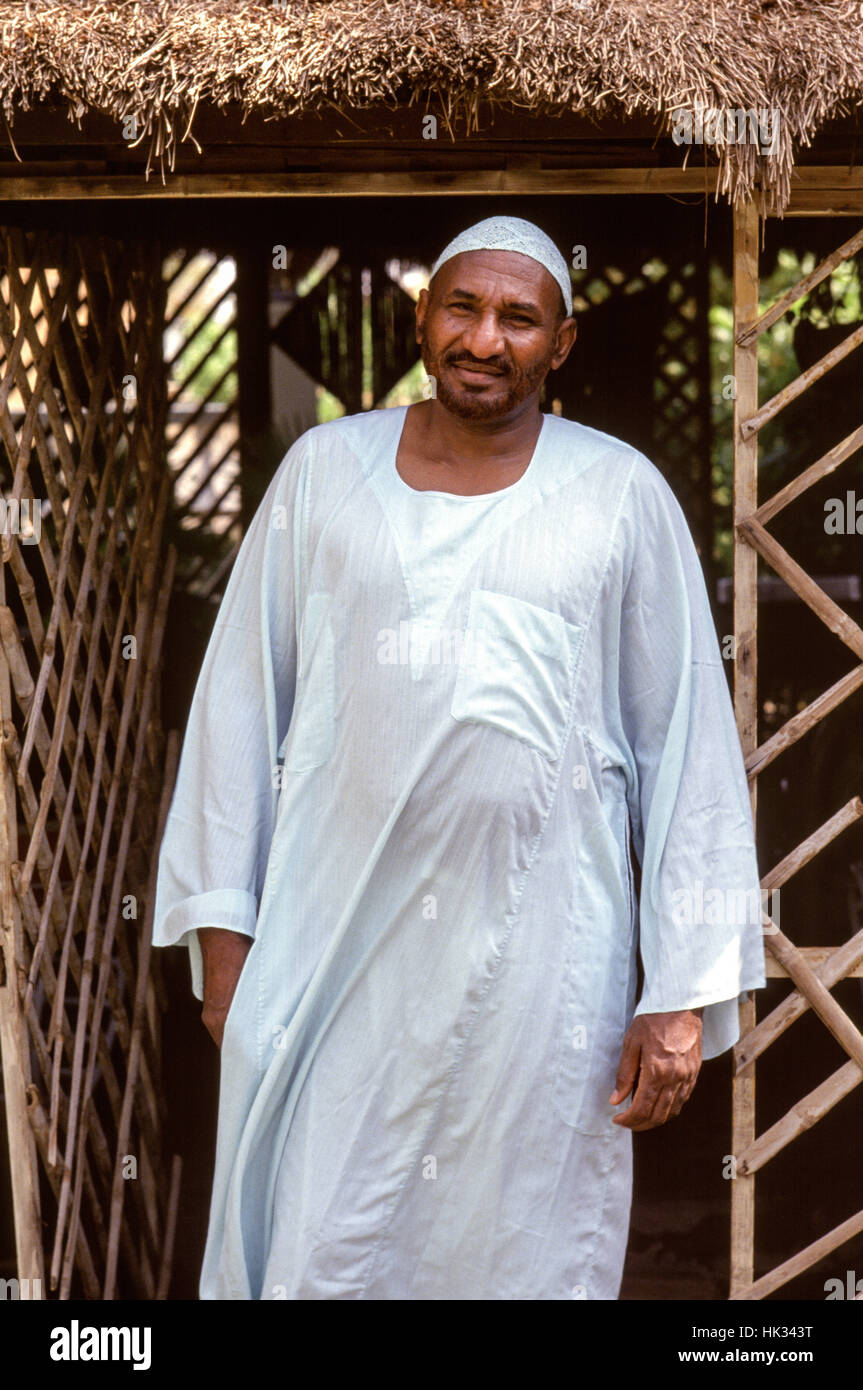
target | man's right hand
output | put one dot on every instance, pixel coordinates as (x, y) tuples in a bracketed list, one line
[(224, 955)]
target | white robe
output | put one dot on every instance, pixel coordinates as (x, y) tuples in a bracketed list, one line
[(471, 697)]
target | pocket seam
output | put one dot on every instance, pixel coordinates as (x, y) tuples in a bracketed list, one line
[(316, 724), (574, 635)]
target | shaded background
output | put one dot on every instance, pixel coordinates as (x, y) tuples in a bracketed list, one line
[(259, 351)]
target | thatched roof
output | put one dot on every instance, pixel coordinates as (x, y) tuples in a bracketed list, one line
[(161, 59)]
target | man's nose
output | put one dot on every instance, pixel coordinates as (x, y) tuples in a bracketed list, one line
[(484, 337)]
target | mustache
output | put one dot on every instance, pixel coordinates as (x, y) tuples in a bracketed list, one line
[(487, 364)]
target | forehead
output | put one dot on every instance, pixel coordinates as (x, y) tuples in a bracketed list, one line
[(498, 275)]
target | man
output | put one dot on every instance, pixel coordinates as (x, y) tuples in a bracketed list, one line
[(464, 650)]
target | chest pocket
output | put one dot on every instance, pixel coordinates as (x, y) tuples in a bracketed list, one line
[(310, 737), (518, 668)]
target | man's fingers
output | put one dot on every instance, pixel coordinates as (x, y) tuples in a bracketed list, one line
[(664, 1107), (637, 1116), (627, 1071), (660, 1095), (659, 1064)]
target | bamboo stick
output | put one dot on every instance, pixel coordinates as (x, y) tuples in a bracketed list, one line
[(103, 1161), (808, 282), (801, 383), (151, 627), (14, 1053), (823, 1003), (802, 1116), (56, 421), (745, 682), (806, 851), (87, 972), (831, 615), (89, 680), (170, 1229), (816, 956), (148, 441), (839, 964), (821, 468), (143, 967), (75, 500), (800, 724), (56, 310), (39, 1126), (107, 706), (803, 1260)]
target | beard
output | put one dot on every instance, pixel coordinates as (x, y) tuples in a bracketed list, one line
[(484, 402)]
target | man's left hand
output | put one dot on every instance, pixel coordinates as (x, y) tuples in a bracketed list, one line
[(664, 1052)]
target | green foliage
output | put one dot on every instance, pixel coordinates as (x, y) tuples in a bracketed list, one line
[(207, 363), (836, 301)]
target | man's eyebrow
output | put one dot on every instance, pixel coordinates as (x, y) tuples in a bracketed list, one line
[(525, 306)]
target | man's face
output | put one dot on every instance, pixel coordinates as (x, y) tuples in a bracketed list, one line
[(491, 328)]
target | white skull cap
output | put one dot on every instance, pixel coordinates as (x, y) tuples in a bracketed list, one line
[(512, 234)]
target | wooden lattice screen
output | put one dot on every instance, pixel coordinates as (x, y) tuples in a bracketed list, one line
[(82, 612), (814, 971), (200, 349), (643, 372)]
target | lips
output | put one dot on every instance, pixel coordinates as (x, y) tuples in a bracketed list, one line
[(478, 375)]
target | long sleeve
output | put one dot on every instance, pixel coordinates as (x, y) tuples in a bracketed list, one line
[(216, 843), (700, 925)]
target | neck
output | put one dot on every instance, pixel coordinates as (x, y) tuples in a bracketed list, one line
[(479, 440)]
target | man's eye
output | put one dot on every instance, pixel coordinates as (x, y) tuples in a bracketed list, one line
[(520, 318)]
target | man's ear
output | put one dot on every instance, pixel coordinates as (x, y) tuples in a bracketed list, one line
[(566, 334), (422, 310)]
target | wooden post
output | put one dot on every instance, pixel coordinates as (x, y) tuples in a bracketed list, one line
[(745, 683), (14, 1040), (253, 374)]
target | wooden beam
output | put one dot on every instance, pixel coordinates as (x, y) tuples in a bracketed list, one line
[(802, 382), (802, 1116), (807, 850), (830, 209), (795, 576), (816, 956), (800, 723), (817, 190), (822, 468), (362, 184), (819, 998), (253, 374), (830, 964), (745, 292), (826, 191), (808, 282), (803, 1259)]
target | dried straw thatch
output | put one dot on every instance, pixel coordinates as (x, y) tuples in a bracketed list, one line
[(158, 59)]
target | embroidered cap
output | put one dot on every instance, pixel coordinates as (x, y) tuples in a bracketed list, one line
[(512, 234)]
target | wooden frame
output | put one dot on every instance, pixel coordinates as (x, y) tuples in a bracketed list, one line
[(84, 604), (813, 972), (824, 190)]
